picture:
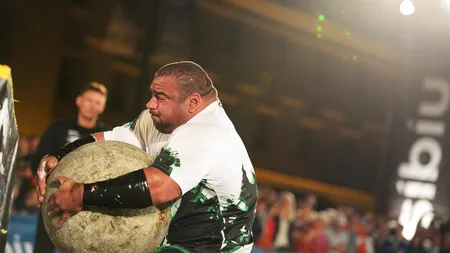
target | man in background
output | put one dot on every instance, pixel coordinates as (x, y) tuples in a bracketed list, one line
[(90, 103)]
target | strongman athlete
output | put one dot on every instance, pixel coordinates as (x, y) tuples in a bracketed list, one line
[(201, 168)]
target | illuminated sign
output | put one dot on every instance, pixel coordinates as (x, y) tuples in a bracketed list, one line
[(417, 177)]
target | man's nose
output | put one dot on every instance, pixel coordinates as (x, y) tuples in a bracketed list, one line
[(151, 104)]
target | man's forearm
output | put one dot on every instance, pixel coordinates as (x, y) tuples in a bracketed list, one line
[(126, 192), (138, 189), (66, 149)]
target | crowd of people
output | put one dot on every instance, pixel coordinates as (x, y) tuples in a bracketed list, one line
[(24, 189), (285, 223)]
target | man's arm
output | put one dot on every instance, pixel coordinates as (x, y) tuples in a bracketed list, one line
[(137, 189), (187, 160), (134, 132), (44, 167), (125, 133), (182, 165), (66, 149), (99, 136), (49, 161), (118, 134), (162, 188)]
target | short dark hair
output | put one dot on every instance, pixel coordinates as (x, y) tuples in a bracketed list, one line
[(97, 87), (191, 78)]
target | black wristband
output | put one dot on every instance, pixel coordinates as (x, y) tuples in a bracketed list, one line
[(129, 191), (66, 149)]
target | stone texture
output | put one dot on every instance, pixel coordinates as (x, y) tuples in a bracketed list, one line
[(108, 231)]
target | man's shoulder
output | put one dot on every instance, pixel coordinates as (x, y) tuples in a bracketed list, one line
[(201, 136), (143, 120), (209, 128)]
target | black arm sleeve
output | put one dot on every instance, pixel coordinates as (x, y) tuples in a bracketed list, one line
[(66, 149), (129, 191)]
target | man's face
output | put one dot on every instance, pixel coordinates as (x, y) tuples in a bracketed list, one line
[(24, 146), (91, 104), (167, 110)]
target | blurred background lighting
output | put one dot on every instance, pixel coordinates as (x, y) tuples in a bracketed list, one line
[(407, 8), (321, 17)]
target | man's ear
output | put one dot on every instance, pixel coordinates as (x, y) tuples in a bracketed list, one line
[(194, 102), (78, 101), (102, 109)]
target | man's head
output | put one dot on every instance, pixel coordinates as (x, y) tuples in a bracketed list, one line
[(339, 222), (180, 90), (24, 146), (91, 101)]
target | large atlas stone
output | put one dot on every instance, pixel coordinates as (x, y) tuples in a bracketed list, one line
[(100, 230)]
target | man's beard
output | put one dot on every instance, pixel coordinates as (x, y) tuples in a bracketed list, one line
[(163, 127)]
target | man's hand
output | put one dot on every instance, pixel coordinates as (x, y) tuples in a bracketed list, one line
[(47, 164), (68, 199)]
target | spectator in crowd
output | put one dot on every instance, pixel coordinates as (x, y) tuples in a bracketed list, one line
[(90, 103), (395, 243), (22, 164), (261, 209), (29, 204), (306, 211), (34, 143), (446, 243), (352, 246), (319, 239), (284, 222), (24, 175), (301, 238), (416, 246), (278, 225), (337, 235)]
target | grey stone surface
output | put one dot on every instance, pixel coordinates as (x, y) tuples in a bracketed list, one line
[(108, 231)]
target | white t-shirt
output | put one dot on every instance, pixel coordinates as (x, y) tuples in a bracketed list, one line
[(208, 160), (336, 239), (282, 237)]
